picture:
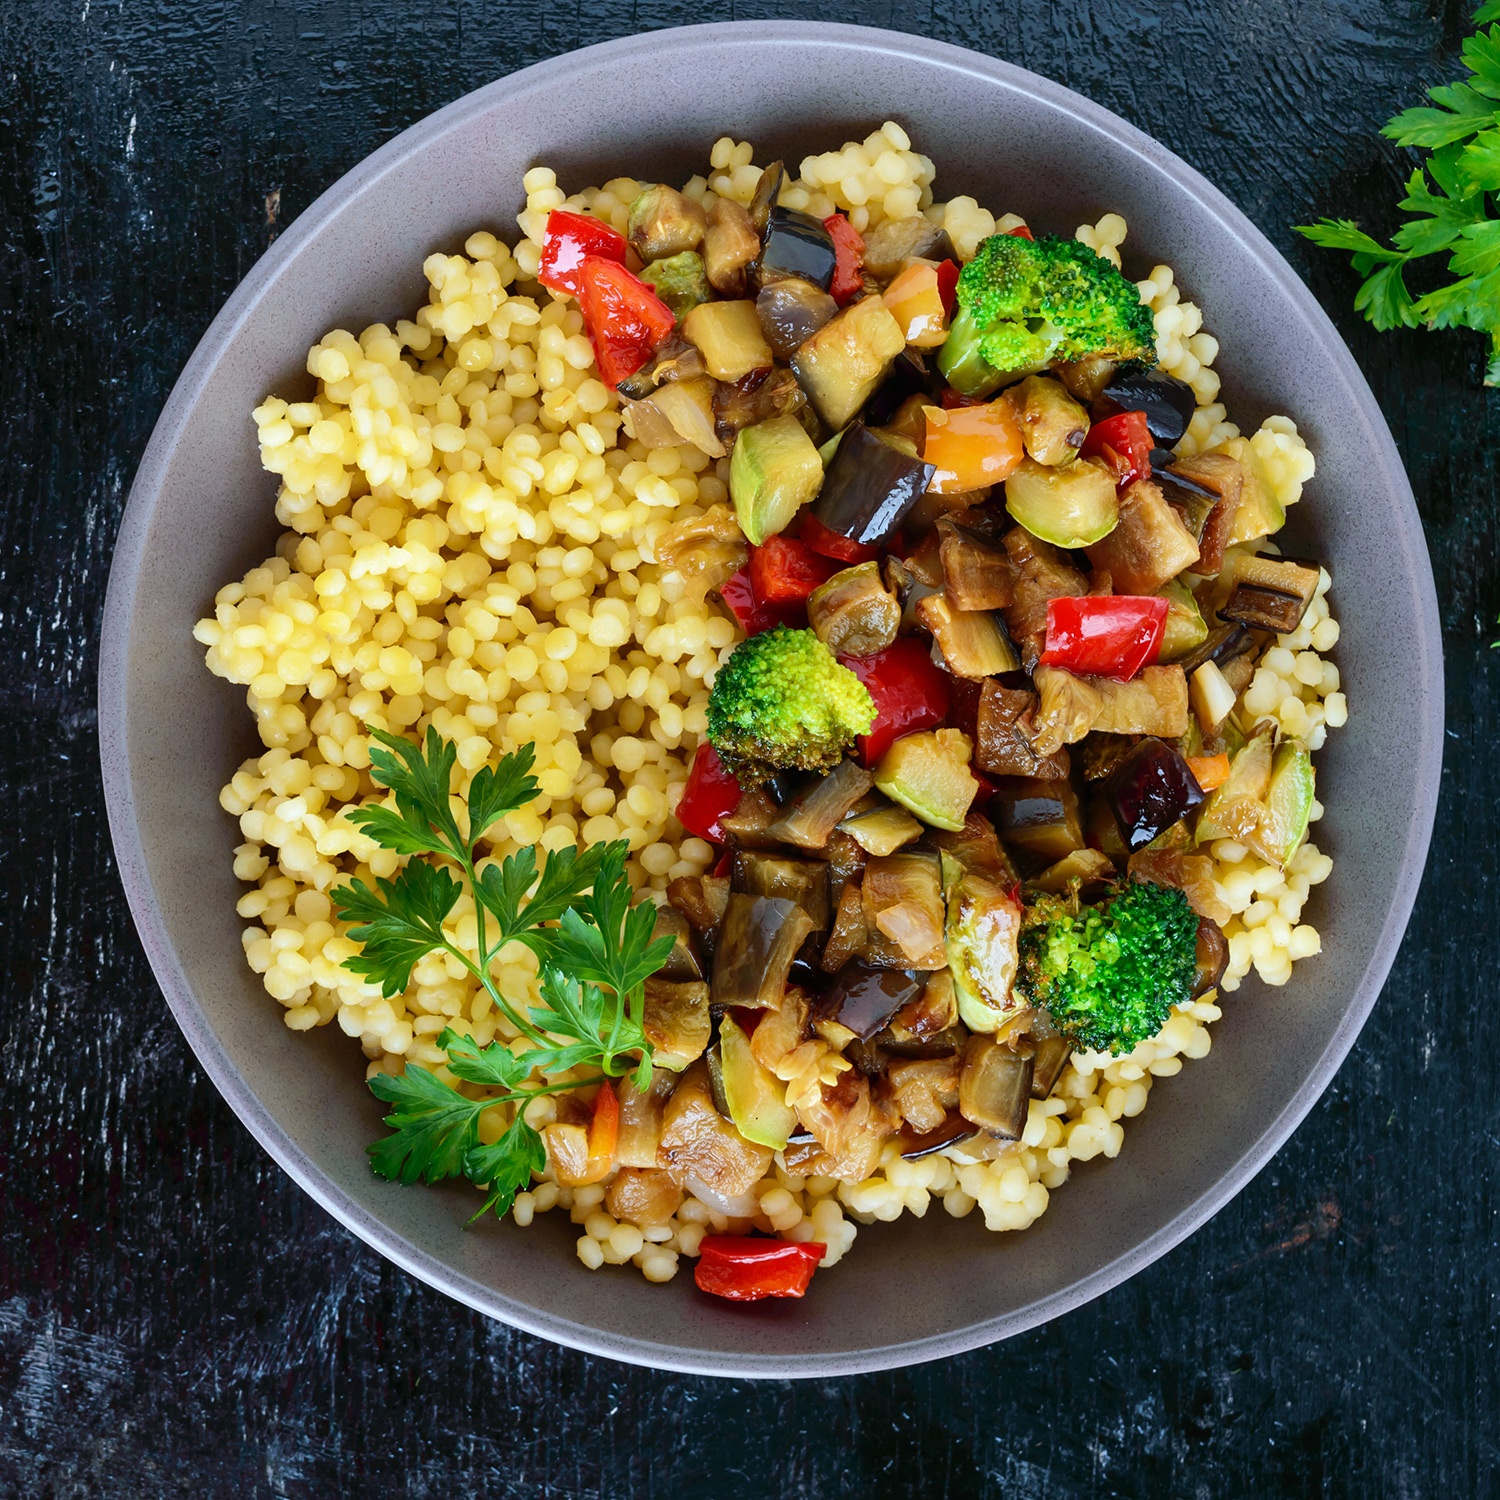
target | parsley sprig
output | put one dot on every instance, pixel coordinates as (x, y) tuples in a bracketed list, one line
[(1451, 214), (572, 909)]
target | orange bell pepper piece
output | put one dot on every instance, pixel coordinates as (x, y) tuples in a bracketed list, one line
[(971, 446), (1209, 771), (915, 300)]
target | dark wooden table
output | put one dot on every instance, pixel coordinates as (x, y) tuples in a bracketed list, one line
[(176, 1318)]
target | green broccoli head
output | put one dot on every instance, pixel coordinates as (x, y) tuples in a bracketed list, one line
[(782, 703), (1109, 974), (1024, 304)]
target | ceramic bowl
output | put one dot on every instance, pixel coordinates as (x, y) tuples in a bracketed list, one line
[(200, 513)]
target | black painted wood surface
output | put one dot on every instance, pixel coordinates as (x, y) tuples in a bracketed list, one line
[(176, 1318)]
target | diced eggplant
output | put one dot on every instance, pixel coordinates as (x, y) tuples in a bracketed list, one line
[(1086, 378), (796, 245), (790, 312), (882, 831), (911, 376), (976, 571), (1042, 817), (675, 1020), (850, 932), (891, 246), (1039, 574), (679, 412), (1218, 479), (680, 281), (730, 243), (645, 1196), (1101, 755), (701, 899), (922, 1090), (1168, 402), (1068, 709), (928, 774), (994, 1089), (1084, 867), (1212, 957), (1223, 645), (664, 222), (904, 911), (1150, 791), (854, 614), (973, 641), (767, 192), (983, 929), (954, 1130), (639, 1132), (870, 486), (682, 962), (1053, 424), (974, 849), (846, 860), (700, 1146), (1270, 593), (926, 560), (1048, 1061), (675, 359), (864, 996), (810, 818), (907, 587), (927, 1026), (709, 546), (757, 872), (1149, 546), (1002, 744), (728, 336), (1154, 702), (841, 365), (1074, 506), (749, 825), (755, 398), (757, 941)]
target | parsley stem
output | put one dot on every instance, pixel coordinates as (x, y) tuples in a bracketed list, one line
[(506, 1009)]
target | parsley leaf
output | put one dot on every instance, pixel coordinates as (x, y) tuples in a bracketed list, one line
[(574, 909), (1453, 215), (398, 923), (506, 1166), (433, 1127)]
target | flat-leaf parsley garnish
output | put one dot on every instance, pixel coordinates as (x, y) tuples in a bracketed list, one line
[(572, 909), (1451, 214)]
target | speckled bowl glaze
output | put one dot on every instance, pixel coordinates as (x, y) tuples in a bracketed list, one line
[(201, 512)]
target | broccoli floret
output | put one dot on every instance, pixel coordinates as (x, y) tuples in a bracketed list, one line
[(1109, 974), (1025, 304), (782, 703)]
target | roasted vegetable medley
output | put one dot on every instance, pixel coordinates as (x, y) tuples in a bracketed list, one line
[(952, 717)]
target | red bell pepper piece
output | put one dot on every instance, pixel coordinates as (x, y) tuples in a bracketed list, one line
[(756, 614), (947, 273), (1124, 442), (1021, 232), (910, 692), (1108, 635), (746, 1270), (625, 319), (829, 543), (710, 795), (785, 571), (568, 239), (849, 258)]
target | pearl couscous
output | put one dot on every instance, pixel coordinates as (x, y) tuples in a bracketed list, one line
[(473, 542)]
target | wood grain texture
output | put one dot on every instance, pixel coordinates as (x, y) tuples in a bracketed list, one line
[(176, 1318)]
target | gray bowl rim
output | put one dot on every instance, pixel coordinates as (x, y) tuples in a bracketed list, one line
[(1426, 664)]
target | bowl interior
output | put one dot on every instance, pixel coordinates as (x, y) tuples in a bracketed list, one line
[(201, 512)]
